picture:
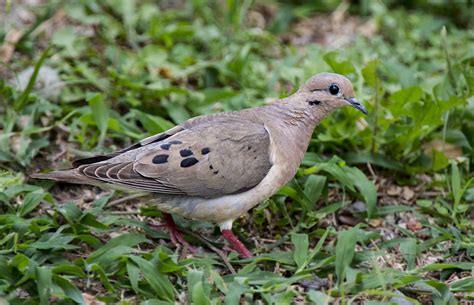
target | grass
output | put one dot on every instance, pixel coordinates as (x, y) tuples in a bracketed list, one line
[(380, 211)]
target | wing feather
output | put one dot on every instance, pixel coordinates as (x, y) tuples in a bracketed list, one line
[(207, 157)]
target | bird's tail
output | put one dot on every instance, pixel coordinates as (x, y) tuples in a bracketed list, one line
[(69, 176)]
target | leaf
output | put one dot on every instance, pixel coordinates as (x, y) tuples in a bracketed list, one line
[(375, 159), (102, 276), (23, 99), (318, 297), (365, 187), (369, 72), (456, 183), (337, 172), (199, 297), (158, 281), (100, 114), (409, 250), (301, 243), (401, 100), (69, 289), (69, 269), (194, 276), (90, 220), (44, 284), (117, 246), (133, 276), (236, 289), (65, 37), (463, 285), (313, 188), (31, 201), (345, 250), (343, 67), (152, 124)]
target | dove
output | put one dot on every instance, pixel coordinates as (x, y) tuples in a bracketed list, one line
[(216, 167)]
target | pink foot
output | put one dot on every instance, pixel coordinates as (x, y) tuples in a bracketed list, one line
[(236, 243), (175, 235)]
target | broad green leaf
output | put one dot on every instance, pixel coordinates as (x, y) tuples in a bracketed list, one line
[(343, 67), (463, 285), (369, 72), (152, 124), (236, 289), (69, 269), (400, 101), (104, 279), (318, 297), (345, 250), (301, 243), (456, 183), (199, 296), (337, 172), (133, 275), (44, 284), (409, 250), (69, 289), (31, 201), (158, 281), (313, 188), (365, 187), (100, 112), (117, 246)]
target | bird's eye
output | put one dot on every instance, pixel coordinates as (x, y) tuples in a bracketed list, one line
[(334, 89)]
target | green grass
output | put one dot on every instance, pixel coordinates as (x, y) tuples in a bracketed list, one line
[(382, 207)]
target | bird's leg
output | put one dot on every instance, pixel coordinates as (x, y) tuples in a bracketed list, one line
[(175, 235), (236, 243)]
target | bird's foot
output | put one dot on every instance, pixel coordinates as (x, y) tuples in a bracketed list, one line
[(175, 235), (236, 244)]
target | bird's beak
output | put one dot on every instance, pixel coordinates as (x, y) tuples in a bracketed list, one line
[(357, 105)]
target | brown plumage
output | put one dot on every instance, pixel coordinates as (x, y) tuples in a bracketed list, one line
[(218, 166)]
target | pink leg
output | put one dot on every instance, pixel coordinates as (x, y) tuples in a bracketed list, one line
[(175, 236), (236, 243)]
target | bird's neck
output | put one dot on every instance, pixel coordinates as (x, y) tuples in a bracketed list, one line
[(292, 125), (297, 114)]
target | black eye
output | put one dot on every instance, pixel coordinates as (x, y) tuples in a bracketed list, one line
[(334, 89)]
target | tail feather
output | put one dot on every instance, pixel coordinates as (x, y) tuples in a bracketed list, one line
[(70, 176)]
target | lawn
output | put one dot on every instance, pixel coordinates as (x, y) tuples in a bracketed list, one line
[(380, 212)]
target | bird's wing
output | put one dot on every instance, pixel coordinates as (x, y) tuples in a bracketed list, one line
[(216, 157)]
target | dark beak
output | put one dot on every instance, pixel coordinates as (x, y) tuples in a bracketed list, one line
[(357, 105)]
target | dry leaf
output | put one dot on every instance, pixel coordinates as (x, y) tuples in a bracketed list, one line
[(9, 43), (407, 193), (394, 190), (91, 300), (450, 151)]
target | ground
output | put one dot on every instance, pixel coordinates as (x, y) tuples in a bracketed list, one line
[(380, 212)]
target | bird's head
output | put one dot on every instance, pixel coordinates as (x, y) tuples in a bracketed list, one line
[(330, 91)]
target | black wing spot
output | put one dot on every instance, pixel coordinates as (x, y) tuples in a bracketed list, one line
[(189, 162), (205, 150), (185, 152), (159, 159), (165, 146), (216, 172), (79, 162), (249, 147), (211, 167)]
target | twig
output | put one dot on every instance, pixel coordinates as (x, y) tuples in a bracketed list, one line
[(372, 172), (124, 199), (136, 212), (59, 155), (219, 252)]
